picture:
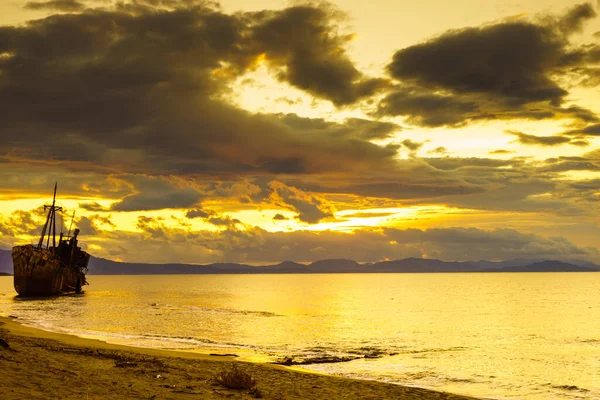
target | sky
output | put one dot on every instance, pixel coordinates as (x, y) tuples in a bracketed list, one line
[(263, 131)]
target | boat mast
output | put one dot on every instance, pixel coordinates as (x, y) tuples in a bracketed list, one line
[(71, 224), (50, 223)]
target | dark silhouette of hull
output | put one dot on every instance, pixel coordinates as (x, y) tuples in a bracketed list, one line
[(36, 271)]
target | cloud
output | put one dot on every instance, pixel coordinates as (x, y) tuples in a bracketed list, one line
[(310, 208), (533, 140), (255, 245), (350, 128), (143, 89), (591, 130), (504, 70), (22, 223), (92, 206), (412, 146), (279, 217), (428, 108), (574, 19), (199, 213), (310, 55), (86, 226), (212, 217), (223, 221), (57, 5), (154, 193), (500, 151), (441, 150)]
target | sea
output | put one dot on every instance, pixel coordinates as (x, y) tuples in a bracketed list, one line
[(488, 335)]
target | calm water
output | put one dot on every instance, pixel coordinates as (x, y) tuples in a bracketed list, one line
[(506, 336)]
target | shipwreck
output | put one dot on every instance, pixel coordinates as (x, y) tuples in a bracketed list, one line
[(51, 268)]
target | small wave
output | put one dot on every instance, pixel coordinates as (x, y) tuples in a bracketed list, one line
[(231, 311), (435, 350), (589, 341), (419, 375), (460, 380), (143, 340), (571, 388), (217, 310)]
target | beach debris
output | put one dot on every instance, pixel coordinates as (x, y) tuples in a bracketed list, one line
[(288, 361), (568, 387), (223, 355), (124, 364), (235, 378), (256, 393), (373, 355), (4, 343)]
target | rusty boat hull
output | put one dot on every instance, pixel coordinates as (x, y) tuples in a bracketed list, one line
[(74, 278), (37, 272)]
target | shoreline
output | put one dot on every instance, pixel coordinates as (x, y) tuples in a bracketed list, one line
[(41, 364)]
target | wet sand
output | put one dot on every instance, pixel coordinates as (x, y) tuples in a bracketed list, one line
[(44, 365)]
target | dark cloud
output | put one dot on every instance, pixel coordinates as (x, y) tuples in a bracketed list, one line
[(565, 164), (592, 130), (92, 225), (501, 152), (92, 206), (580, 142), (533, 140), (412, 146), (428, 108), (399, 190), (154, 227), (574, 19), (212, 217), (351, 128), (199, 213), (455, 163), (141, 89), (303, 43), (223, 221), (499, 71), (441, 150), (310, 208), (279, 217), (56, 5), (156, 193)]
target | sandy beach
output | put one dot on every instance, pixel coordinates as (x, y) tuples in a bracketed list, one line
[(45, 365)]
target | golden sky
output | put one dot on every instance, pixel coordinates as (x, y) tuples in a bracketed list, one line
[(264, 131)]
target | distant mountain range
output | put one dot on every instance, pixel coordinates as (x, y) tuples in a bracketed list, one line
[(100, 266)]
